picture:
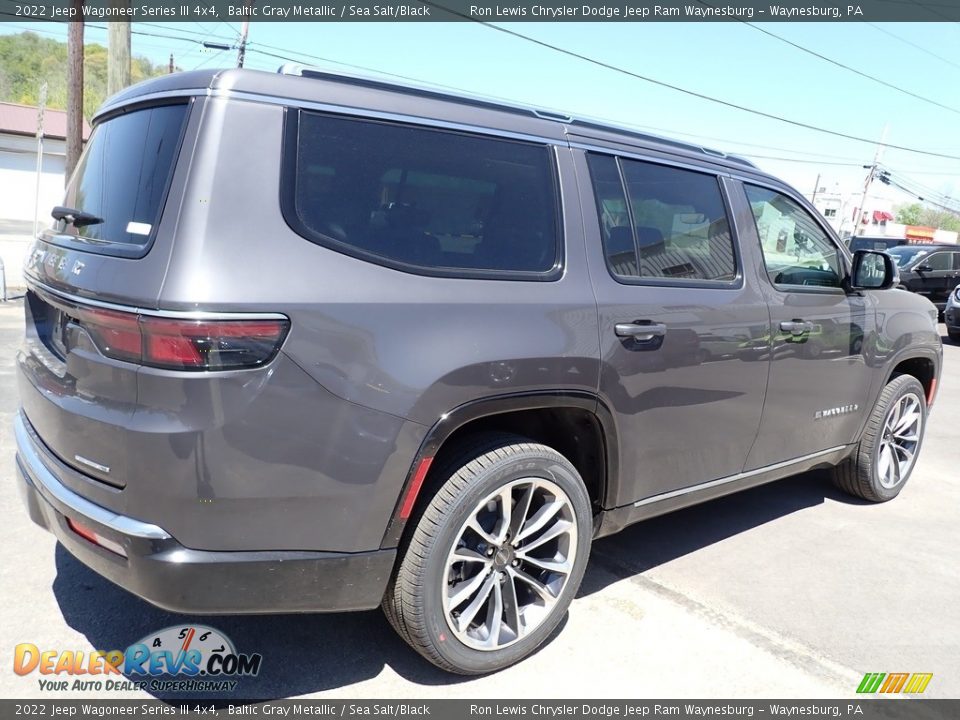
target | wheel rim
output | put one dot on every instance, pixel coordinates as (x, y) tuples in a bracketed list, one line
[(509, 564), (901, 436)]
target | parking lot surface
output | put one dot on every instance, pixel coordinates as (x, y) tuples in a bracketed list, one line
[(788, 590)]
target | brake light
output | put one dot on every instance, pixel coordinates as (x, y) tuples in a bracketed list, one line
[(183, 344)]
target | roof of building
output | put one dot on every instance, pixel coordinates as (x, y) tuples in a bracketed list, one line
[(18, 119)]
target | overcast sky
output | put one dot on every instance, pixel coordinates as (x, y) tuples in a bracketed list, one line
[(731, 61)]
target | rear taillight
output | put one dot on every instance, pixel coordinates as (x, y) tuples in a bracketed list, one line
[(183, 344)]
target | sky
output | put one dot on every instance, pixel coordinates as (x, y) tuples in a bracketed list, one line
[(732, 61)]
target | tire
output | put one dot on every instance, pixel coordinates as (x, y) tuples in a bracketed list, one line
[(866, 474), (427, 601), (954, 335)]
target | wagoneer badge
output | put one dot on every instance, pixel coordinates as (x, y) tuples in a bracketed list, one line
[(842, 410)]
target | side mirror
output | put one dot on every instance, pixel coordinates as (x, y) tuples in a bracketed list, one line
[(872, 270), (923, 268)]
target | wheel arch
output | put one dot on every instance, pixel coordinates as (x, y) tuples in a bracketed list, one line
[(924, 367), (549, 417)]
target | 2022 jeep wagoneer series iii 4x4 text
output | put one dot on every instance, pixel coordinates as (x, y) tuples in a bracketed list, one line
[(299, 342)]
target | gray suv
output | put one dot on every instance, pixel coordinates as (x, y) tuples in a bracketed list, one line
[(299, 342)]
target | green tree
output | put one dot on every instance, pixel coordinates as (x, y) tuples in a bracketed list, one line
[(28, 60), (910, 214)]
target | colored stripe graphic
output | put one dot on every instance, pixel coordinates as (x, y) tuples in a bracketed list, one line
[(894, 683), (906, 683), (870, 682), (918, 682)]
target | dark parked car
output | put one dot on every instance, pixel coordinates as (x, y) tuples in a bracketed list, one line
[(929, 270), (874, 242), (302, 343)]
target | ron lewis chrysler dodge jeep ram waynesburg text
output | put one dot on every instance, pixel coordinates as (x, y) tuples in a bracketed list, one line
[(299, 342)]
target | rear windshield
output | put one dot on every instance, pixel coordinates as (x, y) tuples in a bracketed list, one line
[(424, 200), (123, 175)]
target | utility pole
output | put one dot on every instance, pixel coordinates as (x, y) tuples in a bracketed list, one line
[(36, 197), (244, 32), (118, 51), (866, 188), (74, 89), (815, 187), (858, 218), (170, 69)]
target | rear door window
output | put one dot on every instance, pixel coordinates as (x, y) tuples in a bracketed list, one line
[(422, 200), (123, 176)]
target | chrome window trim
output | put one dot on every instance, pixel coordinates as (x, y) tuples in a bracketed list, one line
[(108, 108)]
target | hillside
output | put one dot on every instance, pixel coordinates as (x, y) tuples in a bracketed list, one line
[(28, 60)]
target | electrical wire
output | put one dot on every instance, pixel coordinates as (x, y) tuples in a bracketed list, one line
[(913, 45), (685, 91)]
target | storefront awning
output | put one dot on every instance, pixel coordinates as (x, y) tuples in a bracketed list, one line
[(881, 216)]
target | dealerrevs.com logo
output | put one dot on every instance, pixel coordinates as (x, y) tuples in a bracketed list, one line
[(193, 658)]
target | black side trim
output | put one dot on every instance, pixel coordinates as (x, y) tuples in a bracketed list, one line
[(501, 404)]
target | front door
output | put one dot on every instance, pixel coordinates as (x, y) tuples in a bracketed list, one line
[(819, 387), (679, 325), (937, 275)]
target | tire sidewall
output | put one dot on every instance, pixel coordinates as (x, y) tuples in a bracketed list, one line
[(529, 464)]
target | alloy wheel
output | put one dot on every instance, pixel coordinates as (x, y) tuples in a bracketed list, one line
[(509, 564), (899, 441)]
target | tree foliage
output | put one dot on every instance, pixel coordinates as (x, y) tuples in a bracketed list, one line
[(917, 214), (910, 214), (28, 60)]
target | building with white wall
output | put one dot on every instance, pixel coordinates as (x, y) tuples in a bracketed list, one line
[(19, 200)]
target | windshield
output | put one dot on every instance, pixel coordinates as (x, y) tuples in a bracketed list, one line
[(904, 256), (123, 174)]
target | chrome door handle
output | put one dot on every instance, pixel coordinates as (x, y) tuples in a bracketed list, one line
[(641, 332), (796, 327)]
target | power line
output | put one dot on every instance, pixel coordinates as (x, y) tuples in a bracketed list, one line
[(254, 47), (685, 91), (838, 64), (913, 45)]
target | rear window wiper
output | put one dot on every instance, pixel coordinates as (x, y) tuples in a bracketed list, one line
[(77, 218)]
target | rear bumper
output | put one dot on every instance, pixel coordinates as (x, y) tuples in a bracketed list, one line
[(165, 573)]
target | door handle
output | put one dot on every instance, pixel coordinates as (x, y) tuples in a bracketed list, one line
[(640, 331), (796, 327)]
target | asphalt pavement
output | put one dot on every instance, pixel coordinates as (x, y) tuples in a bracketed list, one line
[(790, 590)]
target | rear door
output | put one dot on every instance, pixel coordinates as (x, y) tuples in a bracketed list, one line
[(819, 386), (682, 328)]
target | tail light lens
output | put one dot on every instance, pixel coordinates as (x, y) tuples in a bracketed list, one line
[(183, 344)]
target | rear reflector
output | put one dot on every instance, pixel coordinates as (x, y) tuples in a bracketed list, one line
[(96, 538), (183, 344), (414, 489)]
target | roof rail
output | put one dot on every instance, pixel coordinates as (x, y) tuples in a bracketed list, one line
[(422, 89), (493, 103)]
